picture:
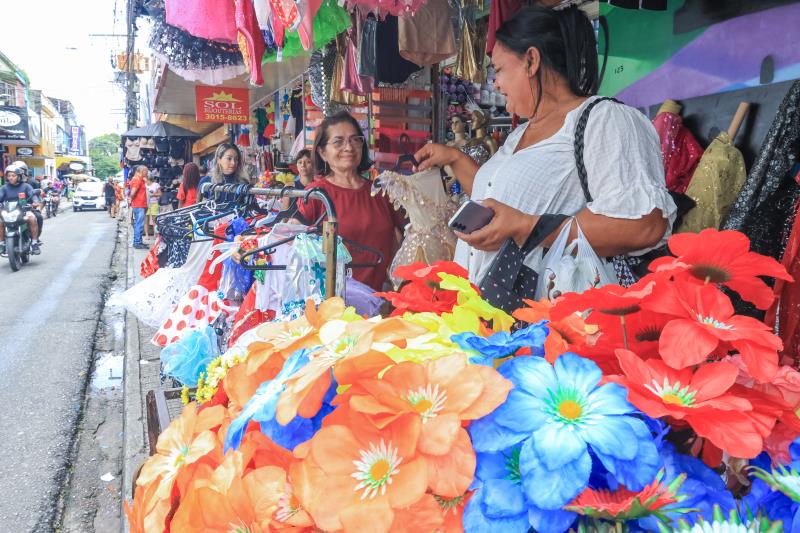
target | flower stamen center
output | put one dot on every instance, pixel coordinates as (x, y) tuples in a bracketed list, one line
[(570, 409), (713, 322), (427, 401), (673, 394), (375, 469)]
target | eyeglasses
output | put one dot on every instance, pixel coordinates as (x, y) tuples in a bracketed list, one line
[(357, 141)]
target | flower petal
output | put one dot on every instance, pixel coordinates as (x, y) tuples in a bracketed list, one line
[(555, 521), (552, 489), (557, 444), (451, 474), (521, 412), (612, 436), (476, 522), (581, 373), (503, 498), (489, 436), (610, 399), (640, 471), (534, 375), (439, 433), (685, 343), (713, 379), (367, 516)]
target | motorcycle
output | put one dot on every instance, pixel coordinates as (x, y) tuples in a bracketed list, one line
[(51, 201), (18, 234)]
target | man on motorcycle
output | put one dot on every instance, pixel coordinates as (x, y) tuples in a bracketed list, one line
[(12, 191)]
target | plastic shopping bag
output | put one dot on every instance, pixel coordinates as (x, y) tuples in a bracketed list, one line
[(572, 267)]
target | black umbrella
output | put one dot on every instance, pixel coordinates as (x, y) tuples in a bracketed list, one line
[(161, 129)]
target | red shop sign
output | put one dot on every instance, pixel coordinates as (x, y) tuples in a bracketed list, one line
[(222, 104)]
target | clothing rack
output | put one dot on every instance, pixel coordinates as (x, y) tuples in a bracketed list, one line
[(329, 225)]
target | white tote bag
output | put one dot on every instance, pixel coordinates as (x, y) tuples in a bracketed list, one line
[(572, 267)]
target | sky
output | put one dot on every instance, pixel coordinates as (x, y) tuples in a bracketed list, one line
[(55, 42)]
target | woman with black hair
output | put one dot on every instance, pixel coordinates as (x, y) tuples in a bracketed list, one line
[(340, 153), (546, 65)]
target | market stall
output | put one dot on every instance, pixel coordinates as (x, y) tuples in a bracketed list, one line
[(164, 148), (635, 392)]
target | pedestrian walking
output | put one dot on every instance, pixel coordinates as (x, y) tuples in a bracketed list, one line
[(110, 193), (138, 203)]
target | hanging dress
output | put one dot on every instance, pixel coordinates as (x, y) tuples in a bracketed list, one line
[(427, 237), (680, 151), (153, 299), (213, 20), (764, 208)]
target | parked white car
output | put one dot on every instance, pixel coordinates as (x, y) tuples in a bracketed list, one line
[(89, 195)]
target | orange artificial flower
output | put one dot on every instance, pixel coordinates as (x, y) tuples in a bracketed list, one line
[(356, 485), (147, 512), (566, 335), (428, 402), (287, 337), (346, 347), (185, 441), (234, 500)]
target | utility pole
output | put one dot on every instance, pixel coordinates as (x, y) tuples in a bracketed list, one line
[(131, 100)]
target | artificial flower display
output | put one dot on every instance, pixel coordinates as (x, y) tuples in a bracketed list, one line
[(722, 257), (649, 408)]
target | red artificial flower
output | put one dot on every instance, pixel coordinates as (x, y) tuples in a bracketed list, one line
[(623, 504), (705, 327), (421, 271), (722, 257), (422, 292), (611, 300), (704, 399)]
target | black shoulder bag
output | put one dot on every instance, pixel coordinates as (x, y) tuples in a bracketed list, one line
[(508, 280), (629, 269)]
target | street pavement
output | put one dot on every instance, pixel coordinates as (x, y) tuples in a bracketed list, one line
[(49, 312)]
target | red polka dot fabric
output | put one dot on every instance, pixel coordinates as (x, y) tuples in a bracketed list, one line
[(198, 308)]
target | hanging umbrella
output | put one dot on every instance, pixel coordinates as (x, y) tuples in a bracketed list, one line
[(161, 129)]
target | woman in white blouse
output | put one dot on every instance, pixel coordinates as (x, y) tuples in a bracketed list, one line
[(546, 65)]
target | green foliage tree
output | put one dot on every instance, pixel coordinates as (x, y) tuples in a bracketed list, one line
[(104, 151)]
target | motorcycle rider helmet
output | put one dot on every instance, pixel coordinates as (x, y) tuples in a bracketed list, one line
[(19, 168)]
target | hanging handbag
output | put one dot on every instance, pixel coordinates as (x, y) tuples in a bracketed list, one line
[(508, 281), (629, 269)]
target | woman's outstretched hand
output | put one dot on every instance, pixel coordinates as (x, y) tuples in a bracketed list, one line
[(507, 223), (436, 155)]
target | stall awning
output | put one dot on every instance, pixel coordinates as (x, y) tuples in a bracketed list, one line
[(176, 95), (161, 129)]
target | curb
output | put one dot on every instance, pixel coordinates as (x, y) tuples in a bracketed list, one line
[(134, 449)]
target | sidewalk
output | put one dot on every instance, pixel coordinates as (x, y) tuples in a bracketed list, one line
[(141, 375)]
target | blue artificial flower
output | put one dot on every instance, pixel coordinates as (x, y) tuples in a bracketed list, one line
[(557, 415), (773, 499), (299, 429), (487, 349), (703, 488), (262, 406), (499, 503)]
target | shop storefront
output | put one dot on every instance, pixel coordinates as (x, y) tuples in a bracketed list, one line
[(20, 129)]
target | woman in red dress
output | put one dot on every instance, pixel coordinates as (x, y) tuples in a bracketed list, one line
[(341, 156)]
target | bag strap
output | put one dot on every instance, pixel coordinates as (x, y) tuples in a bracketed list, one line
[(546, 225), (580, 133)]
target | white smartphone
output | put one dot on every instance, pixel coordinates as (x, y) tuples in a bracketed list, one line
[(470, 217)]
